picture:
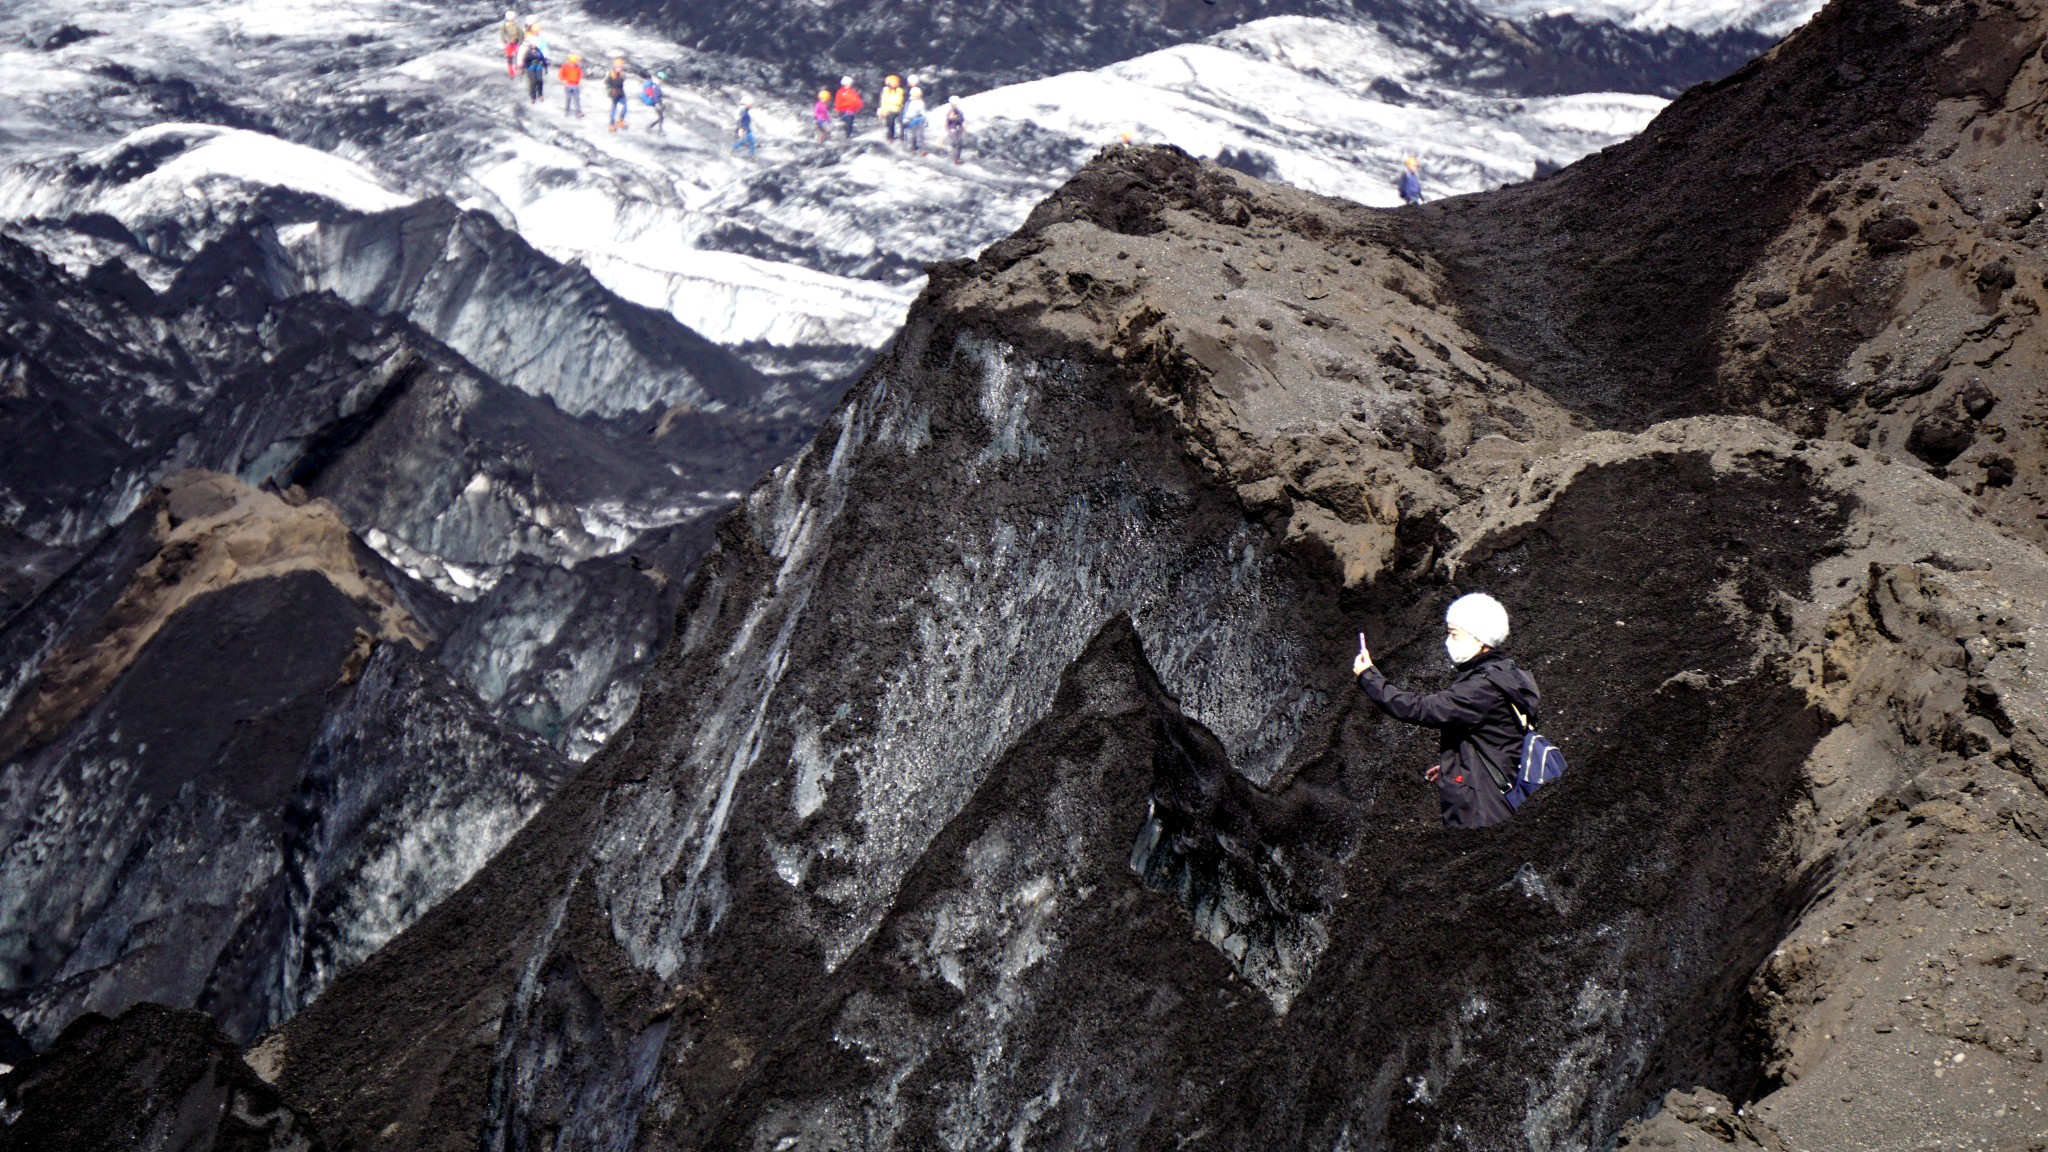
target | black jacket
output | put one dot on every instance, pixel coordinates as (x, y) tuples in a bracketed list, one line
[(1479, 727)]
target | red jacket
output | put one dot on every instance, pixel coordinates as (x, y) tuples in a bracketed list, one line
[(572, 74), (848, 101)]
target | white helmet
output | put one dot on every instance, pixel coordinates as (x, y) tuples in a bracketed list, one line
[(1481, 617)]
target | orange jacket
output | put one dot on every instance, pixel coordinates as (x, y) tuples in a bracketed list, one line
[(572, 74), (848, 100)]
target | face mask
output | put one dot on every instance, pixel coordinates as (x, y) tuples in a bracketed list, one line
[(1461, 647)]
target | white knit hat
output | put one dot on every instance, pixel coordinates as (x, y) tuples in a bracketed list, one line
[(1481, 617)]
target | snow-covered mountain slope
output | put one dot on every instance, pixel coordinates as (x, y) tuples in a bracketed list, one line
[(981, 45), (803, 257), (1773, 18), (1329, 107)]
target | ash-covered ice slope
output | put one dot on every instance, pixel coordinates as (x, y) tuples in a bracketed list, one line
[(230, 770), (483, 416), (1004, 783), (334, 509)]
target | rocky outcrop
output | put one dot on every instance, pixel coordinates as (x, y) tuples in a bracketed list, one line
[(294, 583), (153, 1080), (235, 774), (211, 532), (477, 412)]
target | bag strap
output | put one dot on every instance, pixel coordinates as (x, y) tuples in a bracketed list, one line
[(1508, 695), (1502, 781), (1499, 781)]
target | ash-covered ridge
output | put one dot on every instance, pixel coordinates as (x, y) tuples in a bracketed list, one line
[(488, 382), (470, 384), (952, 821), (345, 522)]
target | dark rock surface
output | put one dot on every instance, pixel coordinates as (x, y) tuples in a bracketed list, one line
[(1607, 285), (151, 1080), (239, 777)]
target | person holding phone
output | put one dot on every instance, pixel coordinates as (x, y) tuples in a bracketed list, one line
[(1481, 732)]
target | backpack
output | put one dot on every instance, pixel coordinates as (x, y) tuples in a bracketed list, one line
[(1537, 762), (650, 95)]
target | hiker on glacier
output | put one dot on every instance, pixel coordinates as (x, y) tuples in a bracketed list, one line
[(572, 83), (1411, 181), (890, 106), (1483, 717), (821, 112), (536, 63), (615, 89), (745, 128), (914, 121), (652, 96), (956, 127), (513, 36), (847, 103)]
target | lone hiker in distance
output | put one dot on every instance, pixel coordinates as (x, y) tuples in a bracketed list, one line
[(1411, 181), (1484, 715)]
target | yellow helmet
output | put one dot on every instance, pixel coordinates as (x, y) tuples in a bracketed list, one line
[(824, 94), (894, 80)]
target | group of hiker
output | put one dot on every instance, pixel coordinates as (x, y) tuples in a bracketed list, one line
[(526, 53), (902, 110)]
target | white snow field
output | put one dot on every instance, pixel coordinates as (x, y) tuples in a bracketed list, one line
[(1770, 17), (1294, 92), (803, 257)]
